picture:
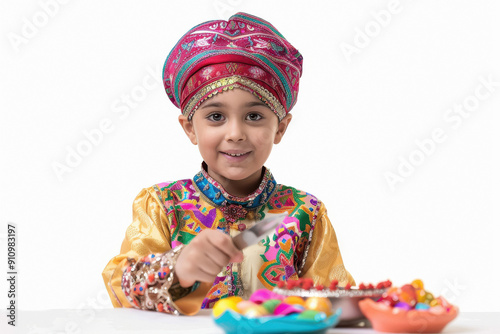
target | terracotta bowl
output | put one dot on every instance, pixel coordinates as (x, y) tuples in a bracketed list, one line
[(395, 320)]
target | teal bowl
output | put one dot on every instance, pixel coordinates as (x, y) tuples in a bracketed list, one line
[(235, 323)]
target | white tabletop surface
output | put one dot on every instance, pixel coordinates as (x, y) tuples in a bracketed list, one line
[(122, 320)]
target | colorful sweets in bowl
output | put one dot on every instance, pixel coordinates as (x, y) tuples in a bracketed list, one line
[(409, 309), (268, 312), (345, 298), (265, 303)]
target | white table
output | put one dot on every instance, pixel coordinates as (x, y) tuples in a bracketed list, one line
[(122, 320)]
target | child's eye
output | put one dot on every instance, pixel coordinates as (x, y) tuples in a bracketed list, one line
[(215, 117), (254, 116)]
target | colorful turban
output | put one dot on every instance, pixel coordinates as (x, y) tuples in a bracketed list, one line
[(245, 52)]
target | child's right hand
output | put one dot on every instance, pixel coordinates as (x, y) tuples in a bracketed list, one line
[(205, 256)]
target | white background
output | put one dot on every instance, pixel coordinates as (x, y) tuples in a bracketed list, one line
[(356, 119)]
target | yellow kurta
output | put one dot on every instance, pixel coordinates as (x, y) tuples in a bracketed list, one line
[(150, 232)]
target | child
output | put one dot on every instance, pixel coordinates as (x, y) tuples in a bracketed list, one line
[(235, 83)]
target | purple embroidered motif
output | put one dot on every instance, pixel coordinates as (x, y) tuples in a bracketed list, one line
[(207, 219), (289, 271)]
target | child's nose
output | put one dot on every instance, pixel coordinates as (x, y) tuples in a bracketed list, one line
[(235, 131)]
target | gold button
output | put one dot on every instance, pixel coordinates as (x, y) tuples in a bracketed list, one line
[(250, 215)]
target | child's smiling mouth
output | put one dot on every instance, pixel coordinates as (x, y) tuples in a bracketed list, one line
[(236, 155)]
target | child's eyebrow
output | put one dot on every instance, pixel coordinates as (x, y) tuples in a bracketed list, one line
[(255, 103), (213, 104), (246, 105)]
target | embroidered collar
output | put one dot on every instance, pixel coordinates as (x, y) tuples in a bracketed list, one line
[(217, 194)]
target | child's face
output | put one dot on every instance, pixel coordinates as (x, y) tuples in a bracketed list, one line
[(234, 122)]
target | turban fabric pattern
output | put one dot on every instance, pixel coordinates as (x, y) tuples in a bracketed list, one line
[(244, 52)]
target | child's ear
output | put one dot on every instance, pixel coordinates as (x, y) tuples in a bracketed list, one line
[(282, 126), (188, 128)]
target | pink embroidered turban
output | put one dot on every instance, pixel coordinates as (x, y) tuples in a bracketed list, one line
[(245, 52)]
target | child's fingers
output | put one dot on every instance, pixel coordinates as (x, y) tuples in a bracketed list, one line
[(213, 263), (225, 244), (216, 257), (238, 257), (197, 266), (203, 276)]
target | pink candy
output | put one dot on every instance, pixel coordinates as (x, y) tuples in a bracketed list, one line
[(284, 309), (262, 295)]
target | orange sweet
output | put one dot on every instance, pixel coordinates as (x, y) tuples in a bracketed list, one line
[(294, 300), (319, 304)]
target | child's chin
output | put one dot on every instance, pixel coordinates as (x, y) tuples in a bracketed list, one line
[(237, 173)]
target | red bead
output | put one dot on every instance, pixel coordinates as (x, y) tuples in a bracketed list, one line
[(348, 286), (160, 307), (387, 301), (300, 282), (362, 286), (242, 227), (370, 286), (306, 282), (291, 284), (388, 284), (319, 287), (151, 277)]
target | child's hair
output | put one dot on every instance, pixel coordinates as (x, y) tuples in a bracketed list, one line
[(245, 52)]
